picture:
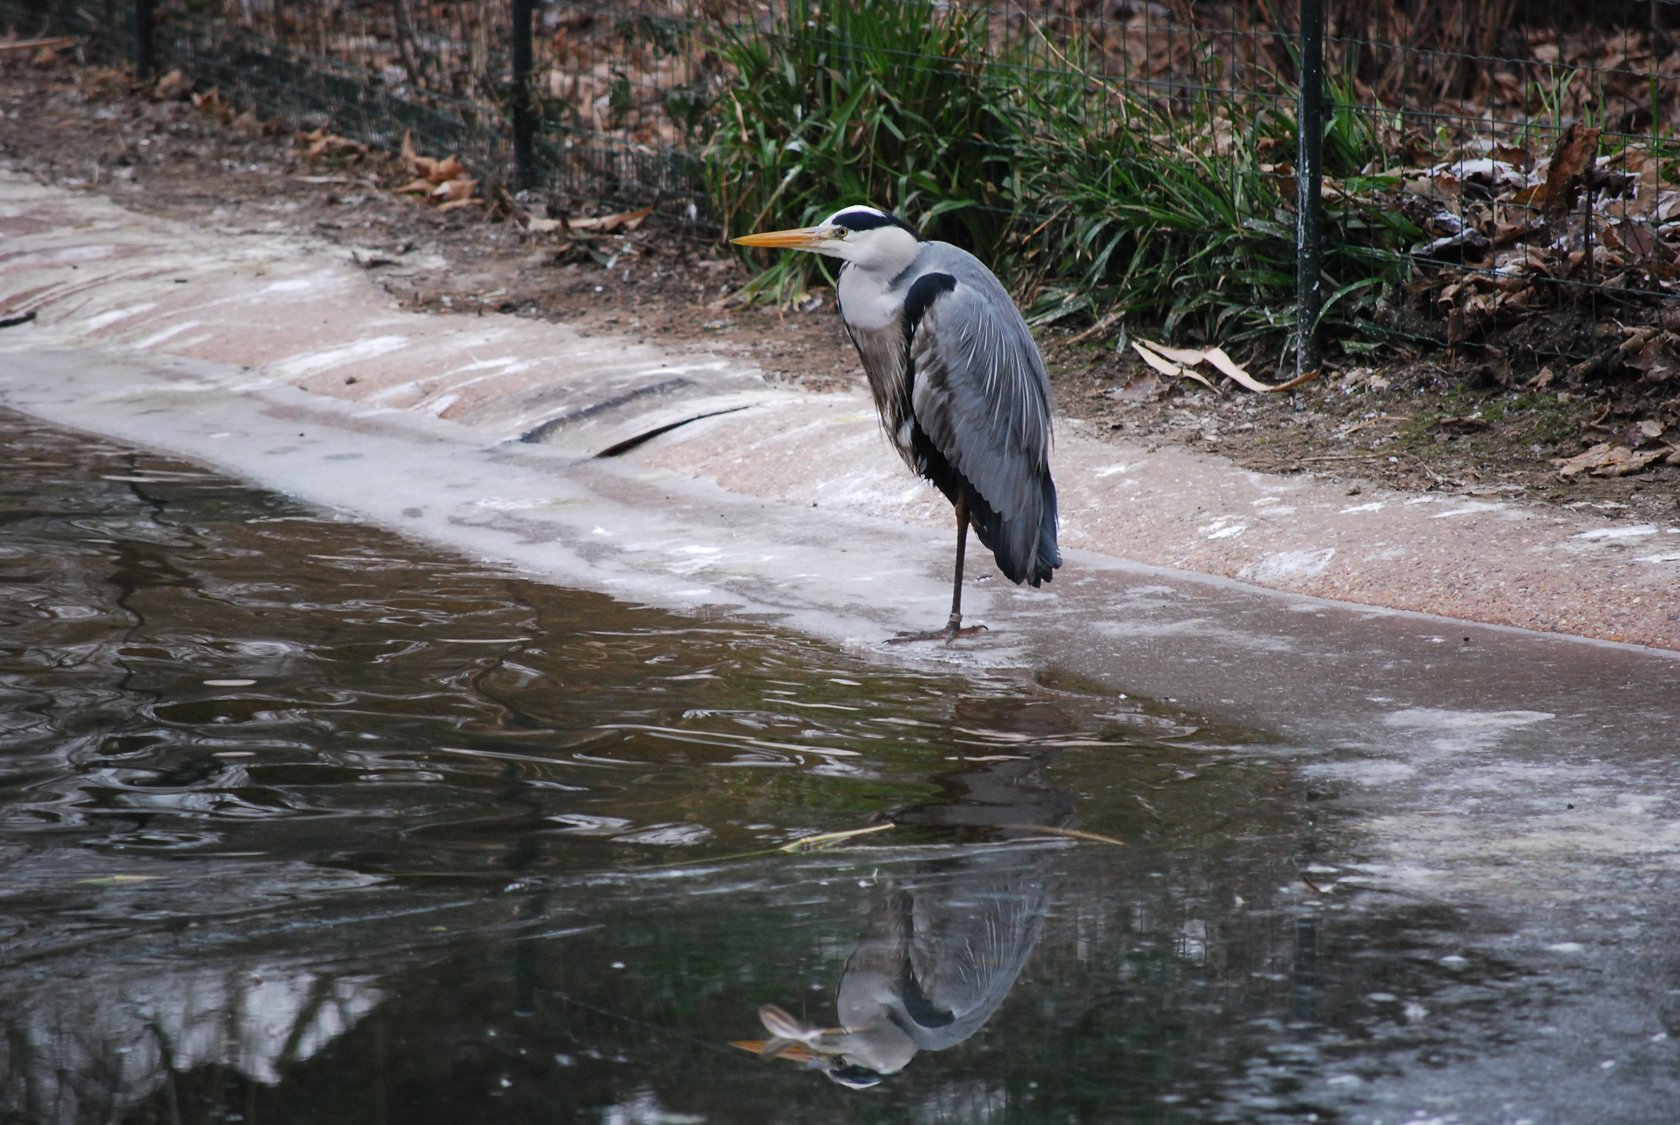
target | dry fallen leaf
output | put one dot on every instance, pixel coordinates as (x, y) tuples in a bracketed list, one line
[(1576, 149), (454, 191), (446, 169), (605, 224), (1180, 361), (625, 221), (1167, 367), (443, 182), (417, 165), (1607, 460), (323, 144), (212, 104), (172, 86)]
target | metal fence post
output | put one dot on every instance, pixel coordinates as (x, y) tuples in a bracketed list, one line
[(144, 14), (524, 115), (1309, 178)]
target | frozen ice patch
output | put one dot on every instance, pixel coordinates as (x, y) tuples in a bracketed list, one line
[(507, 504), (1461, 731)]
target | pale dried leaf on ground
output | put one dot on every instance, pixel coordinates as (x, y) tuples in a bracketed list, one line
[(1608, 460)]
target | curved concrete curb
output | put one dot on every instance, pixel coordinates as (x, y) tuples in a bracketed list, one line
[(200, 341)]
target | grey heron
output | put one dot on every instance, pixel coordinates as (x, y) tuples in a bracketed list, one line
[(957, 379)]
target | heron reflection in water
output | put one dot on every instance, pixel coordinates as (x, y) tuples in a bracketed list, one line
[(941, 949)]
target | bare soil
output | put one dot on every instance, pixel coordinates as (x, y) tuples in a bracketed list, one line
[(1465, 421)]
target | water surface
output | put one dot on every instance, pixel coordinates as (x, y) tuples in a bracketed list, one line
[(301, 821)]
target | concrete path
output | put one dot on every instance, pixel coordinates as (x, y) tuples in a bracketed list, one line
[(285, 363)]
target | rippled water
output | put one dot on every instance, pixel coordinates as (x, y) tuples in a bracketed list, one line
[(304, 822)]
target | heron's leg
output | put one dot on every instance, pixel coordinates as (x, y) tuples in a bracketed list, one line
[(953, 625)]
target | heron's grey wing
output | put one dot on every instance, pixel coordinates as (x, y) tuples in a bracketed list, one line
[(972, 934), (981, 395)]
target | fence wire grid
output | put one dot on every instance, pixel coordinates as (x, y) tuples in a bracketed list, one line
[(1529, 146)]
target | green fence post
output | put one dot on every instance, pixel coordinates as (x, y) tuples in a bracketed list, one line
[(1309, 180), (144, 14), (524, 114)]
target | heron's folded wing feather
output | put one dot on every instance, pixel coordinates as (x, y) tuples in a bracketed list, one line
[(981, 395)]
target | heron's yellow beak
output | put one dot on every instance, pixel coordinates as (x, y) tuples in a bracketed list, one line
[(800, 238)]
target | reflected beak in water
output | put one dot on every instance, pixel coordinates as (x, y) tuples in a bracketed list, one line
[(768, 1048), (813, 1048), (789, 1039)]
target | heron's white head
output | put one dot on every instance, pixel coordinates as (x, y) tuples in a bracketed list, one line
[(865, 236)]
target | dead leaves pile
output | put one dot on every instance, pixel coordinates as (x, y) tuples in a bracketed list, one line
[(1641, 445), (1511, 234), (324, 146), (443, 183), (175, 86), (1607, 459), (603, 239)]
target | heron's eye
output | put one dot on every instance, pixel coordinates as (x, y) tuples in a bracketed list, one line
[(839, 232)]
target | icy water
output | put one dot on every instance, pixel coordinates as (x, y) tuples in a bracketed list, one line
[(303, 822)]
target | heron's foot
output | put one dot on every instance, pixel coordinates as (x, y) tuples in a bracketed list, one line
[(952, 631)]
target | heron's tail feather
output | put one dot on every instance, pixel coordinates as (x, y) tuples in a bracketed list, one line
[(1025, 551), (1049, 554)]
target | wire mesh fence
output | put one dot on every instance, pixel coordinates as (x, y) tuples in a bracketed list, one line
[(1486, 159)]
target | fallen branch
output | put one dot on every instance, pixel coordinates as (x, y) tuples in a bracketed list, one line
[(56, 43)]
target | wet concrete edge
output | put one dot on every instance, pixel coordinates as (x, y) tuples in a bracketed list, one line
[(180, 315)]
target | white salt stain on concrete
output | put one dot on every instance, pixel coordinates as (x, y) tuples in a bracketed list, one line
[(1613, 534), (112, 316), (1284, 567), (308, 363), (1471, 508), (169, 333)]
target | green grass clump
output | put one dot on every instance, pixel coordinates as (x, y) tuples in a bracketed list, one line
[(877, 101), (1176, 220), (1092, 203)]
